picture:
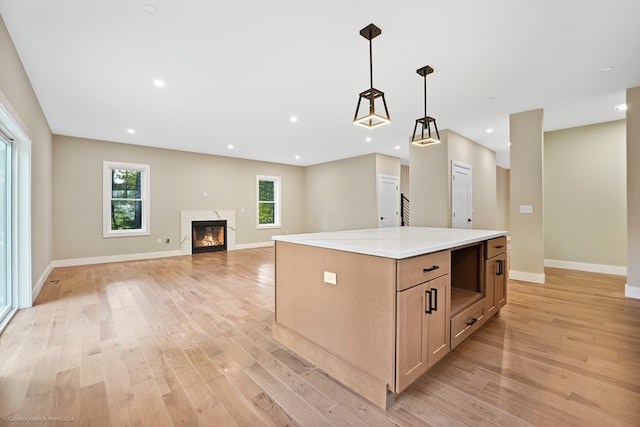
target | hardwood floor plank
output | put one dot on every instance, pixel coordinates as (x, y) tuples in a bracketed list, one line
[(179, 408), (273, 410), (125, 412), (208, 409), (296, 407), (187, 340)]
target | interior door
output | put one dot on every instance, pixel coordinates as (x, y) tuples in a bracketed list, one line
[(388, 201), (461, 206)]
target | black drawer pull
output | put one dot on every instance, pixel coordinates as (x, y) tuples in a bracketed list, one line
[(432, 268), (428, 301), (499, 246), (472, 321)]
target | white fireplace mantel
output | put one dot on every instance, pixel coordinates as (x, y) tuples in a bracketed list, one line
[(186, 217)]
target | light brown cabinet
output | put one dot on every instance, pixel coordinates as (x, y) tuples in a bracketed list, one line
[(422, 329), (495, 275), (379, 323)]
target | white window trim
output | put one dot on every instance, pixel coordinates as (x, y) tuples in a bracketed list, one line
[(107, 167), (276, 196)]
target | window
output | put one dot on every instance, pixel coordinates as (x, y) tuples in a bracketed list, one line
[(268, 201), (126, 199)]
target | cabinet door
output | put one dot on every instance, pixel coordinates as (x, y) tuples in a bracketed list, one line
[(501, 281), (496, 283), (439, 325), (411, 341)]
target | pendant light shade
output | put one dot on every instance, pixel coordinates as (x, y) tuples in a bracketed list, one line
[(424, 136), (370, 117)]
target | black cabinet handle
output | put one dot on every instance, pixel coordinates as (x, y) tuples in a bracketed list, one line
[(472, 321), (432, 268), (427, 301), (434, 307), (500, 271), (499, 246)]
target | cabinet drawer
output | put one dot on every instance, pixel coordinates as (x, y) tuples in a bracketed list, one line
[(496, 246), (419, 269), (467, 322)]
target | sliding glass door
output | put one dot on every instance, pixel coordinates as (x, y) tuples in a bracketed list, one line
[(6, 297)]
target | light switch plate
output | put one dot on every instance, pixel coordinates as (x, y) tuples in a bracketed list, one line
[(526, 209), (330, 278)]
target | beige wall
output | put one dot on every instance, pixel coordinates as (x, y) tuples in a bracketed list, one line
[(585, 194), (633, 192), (428, 184), (342, 195), (178, 182), (527, 232), (503, 197), (16, 90), (483, 171), (405, 188), (430, 181)]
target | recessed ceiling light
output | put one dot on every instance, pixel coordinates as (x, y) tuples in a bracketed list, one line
[(297, 157), (150, 9), (230, 146), (397, 147), (368, 139), (607, 69), (158, 83), (131, 131), (293, 119), (489, 130), (509, 143), (621, 107)]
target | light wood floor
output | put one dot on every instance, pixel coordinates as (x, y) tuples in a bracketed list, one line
[(187, 341)]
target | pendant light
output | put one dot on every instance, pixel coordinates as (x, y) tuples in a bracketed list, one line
[(371, 118), (425, 138)]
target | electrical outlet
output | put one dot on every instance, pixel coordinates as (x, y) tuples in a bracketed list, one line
[(330, 278), (526, 209)]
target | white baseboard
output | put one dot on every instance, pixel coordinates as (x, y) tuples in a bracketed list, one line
[(525, 276), (583, 266), (39, 284), (130, 257), (631, 291), (113, 258), (255, 245)]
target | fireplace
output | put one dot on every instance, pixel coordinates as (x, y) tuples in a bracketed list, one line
[(208, 236)]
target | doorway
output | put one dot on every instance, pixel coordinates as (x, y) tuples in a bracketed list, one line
[(461, 201), (15, 216), (388, 201)]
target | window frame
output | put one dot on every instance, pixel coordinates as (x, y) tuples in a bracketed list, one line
[(107, 198), (277, 181)]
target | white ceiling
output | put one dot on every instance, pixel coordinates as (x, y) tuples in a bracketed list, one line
[(236, 70)]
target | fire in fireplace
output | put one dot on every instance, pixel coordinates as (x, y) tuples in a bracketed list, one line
[(208, 236)]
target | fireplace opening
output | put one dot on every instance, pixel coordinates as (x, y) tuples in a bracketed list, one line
[(208, 236)]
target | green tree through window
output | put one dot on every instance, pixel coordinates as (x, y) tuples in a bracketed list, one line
[(126, 199), (268, 201)]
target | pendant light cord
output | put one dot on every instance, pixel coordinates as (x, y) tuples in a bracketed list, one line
[(425, 95), (370, 60)]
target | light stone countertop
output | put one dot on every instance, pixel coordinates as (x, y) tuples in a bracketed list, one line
[(392, 242)]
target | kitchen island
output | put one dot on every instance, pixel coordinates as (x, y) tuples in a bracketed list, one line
[(376, 308)]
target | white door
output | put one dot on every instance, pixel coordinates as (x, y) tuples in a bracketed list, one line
[(388, 201), (461, 206)]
